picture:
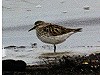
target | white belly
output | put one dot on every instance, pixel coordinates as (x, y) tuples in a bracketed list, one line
[(54, 39)]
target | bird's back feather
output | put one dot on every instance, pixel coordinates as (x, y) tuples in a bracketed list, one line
[(55, 30)]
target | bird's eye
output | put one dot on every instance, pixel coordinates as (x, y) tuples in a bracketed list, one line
[(37, 24)]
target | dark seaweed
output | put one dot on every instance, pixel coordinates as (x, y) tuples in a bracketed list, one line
[(76, 65)]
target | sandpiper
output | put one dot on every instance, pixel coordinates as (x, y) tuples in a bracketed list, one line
[(52, 33)]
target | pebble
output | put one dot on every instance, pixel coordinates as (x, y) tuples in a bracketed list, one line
[(38, 6), (64, 12), (62, 2), (86, 8)]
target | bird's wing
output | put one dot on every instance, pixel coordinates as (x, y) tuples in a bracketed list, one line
[(55, 30)]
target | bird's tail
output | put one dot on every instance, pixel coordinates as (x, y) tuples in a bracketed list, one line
[(78, 30)]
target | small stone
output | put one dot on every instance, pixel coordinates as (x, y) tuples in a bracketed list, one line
[(38, 6), (64, 12), (62, 2), (28, 10), (86, 8), (85, 62)]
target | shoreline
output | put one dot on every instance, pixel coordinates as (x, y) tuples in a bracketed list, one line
[(66, 65)]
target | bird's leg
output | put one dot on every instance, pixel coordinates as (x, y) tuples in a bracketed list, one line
[(54, 48), (55, 51)]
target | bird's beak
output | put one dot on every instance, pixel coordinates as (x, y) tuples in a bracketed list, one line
[(32, 28)]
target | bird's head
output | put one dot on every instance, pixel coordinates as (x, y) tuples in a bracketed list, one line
[(38, 24)]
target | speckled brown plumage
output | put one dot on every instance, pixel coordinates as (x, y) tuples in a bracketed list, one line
[(52, 33)]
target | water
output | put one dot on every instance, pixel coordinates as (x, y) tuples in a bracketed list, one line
[(84, 42), (19, 16)]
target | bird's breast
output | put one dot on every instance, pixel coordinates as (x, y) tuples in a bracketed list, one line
[(46, 38)]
